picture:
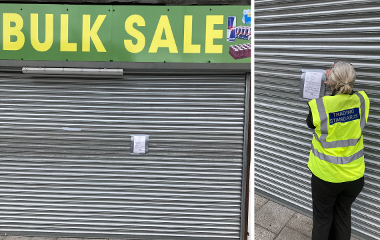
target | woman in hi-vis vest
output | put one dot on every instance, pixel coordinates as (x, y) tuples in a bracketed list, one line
[(336, 157)]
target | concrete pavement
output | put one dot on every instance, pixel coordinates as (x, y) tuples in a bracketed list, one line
[(276, 222)]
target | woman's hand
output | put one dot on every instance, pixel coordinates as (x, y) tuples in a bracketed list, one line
[(327, 75)]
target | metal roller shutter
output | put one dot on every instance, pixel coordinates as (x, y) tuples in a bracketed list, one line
[(293, 34), (85, 183)]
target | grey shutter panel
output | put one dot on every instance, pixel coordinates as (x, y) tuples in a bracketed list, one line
[(293, 34), (66, 167)]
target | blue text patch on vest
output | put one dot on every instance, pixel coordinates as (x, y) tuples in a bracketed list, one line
[(344, 116)]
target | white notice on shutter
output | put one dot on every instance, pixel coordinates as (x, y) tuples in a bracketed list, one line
[(312, 86), (139, 144)]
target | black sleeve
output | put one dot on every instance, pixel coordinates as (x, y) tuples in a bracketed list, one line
[(309, 119)]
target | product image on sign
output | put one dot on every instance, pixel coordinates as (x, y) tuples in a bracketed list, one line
[(246, 16), (231, 29), (240, 51)]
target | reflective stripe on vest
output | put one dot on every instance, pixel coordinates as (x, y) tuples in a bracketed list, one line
[(324, 132), (337, 160)]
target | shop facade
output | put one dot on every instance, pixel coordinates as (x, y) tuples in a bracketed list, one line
[(123, 121), (290, 36)]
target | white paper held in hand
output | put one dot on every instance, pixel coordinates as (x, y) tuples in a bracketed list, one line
[(312, 86), (139, 144)]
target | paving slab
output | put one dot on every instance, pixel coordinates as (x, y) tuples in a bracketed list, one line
[(259, 202), (15, 238), (64, 238), (290, 234), (301, 223), (96, 239), (263, 234), (273, 217), (42, 238)]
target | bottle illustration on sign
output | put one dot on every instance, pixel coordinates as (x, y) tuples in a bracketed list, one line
[(231, 28), (246, 17)]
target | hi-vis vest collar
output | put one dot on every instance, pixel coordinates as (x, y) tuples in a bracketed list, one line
[(324, 132)]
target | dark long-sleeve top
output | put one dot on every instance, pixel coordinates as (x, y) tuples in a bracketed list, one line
[(309, 119)]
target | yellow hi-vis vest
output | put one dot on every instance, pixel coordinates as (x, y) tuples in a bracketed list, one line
[(337, 153)]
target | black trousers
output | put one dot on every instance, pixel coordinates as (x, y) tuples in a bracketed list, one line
[(332, 208)]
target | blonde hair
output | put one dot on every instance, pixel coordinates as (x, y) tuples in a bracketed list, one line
[(342, 77)]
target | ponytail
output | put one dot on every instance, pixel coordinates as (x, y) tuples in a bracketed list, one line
[(343, 88), (342, 76)]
